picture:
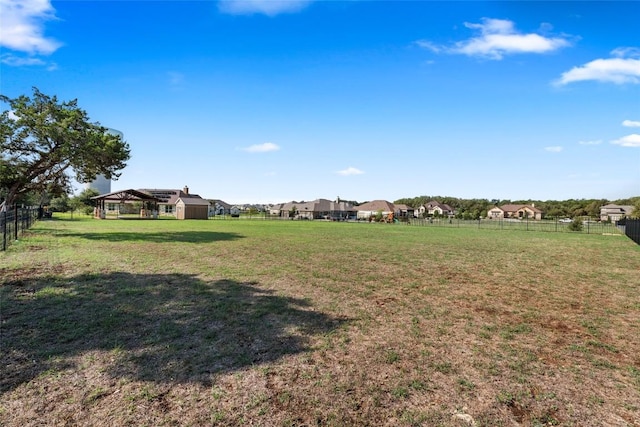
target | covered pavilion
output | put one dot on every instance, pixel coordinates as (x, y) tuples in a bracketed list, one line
[(149, 203)]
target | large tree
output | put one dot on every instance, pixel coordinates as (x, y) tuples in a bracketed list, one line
[(636, 209), (43, 140)]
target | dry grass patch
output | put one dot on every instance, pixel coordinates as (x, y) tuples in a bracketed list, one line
[(287, 323)]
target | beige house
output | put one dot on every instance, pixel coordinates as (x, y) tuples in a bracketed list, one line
[(170, 199), (317, 209), (434, 208), (371, 209), (219, 207), (403, 211), (614, 213), (515, 212), (275, 210)]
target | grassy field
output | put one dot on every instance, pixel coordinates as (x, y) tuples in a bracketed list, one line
[(283, 323)]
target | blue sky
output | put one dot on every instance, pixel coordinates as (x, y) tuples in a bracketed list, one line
[(271, 101)]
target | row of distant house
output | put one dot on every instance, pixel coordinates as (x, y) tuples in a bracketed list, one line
[(185, 205), (610, 212)]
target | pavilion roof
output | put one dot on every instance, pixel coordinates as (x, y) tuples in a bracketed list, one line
[(125, 195)]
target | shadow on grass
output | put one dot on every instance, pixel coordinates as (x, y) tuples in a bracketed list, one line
[(158, 237), (164, 328)]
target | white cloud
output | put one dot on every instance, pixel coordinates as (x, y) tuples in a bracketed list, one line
[(497, 38), (626, 52), (350, 171), (23, 26), (632, 140), (618, 70), (554, 149), (17, 61), (631, 123), (265, 7), (592, 142), (426, 44), (262, 148)]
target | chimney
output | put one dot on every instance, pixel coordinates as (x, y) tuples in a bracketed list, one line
[(186, 189)]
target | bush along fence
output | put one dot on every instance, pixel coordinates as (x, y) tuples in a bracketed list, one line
[(631, 228), (14, 221)]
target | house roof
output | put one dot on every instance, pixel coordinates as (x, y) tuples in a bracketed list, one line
[(318, 205), (307, 206), (168, 196), (617, 208), (435, 204), (403, 207), (323, 205), (193, 201), (515, 208), (377, 205), (225, 205)]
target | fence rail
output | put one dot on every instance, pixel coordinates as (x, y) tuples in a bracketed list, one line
[(14, 221), (588, 226)]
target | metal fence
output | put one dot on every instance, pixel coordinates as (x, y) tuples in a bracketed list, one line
[(14, 221), (588, 226), (631, 228)]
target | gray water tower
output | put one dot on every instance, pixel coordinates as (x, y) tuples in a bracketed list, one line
[(101, 184)]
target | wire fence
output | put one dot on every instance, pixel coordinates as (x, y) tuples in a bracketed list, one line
[(586, 225), (14, 221)]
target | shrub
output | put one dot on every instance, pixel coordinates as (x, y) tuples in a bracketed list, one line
[(576, 225)]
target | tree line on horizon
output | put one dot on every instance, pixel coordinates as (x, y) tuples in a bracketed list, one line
[(478, 208)]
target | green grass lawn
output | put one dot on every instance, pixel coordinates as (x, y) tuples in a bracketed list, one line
[(291, 323)]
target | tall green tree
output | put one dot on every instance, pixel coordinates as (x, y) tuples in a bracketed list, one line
[(636, 209), (43, 139), (85, 197), (60, 204)]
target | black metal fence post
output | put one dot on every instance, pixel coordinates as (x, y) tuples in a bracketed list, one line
[(15, 223), (4, 230)]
